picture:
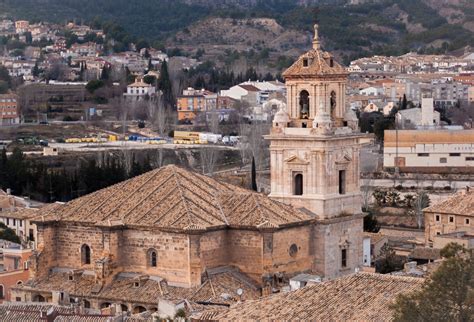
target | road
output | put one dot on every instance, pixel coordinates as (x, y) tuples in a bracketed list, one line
[(105, 146)]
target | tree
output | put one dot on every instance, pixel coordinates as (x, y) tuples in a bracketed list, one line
[(421, 202), (254, 176), (164, 85), (94, 85), (446, 296), (404, 103), (371, 223), (8, 234), (388, 261)]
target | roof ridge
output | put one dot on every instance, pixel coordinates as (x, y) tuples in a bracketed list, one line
[(147, 195), (180, 190)]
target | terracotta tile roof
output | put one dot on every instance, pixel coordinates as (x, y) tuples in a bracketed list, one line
[(362, 297), (218, 287), (462, 203), (20, 213), (318, 65), (174, 198), (250, 88), (30, 312)]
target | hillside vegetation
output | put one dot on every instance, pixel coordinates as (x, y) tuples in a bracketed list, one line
[(272, 28)]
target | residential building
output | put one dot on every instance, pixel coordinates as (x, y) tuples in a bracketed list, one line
[(431, 151), (357, 297), (372, 91), (243, 92), (19, 311), (20, 220), (21, 26), (450, 220), (195, 101), (373, 243), (139, 89), (425, 117), (15, 268), (9, 113)]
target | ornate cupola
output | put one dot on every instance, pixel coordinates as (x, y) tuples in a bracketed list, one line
[(314, 79)]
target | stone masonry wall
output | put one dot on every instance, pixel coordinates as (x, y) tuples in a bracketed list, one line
[(282, 260), (172, 250), (331, 237)]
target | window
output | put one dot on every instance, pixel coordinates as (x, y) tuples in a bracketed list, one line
[(451, 219), (443, 160), (437, 218), (293, 250), (455, 154), (438, 233), (343, 257), (86, 304), (298, 184), (18, 299), (423, 154), (152, 258), (85, 254), (1, 292), (469, 158), (304, 104), (25, 265), (467, 221), (342, 182), (305, 62), (8, 221), (21, 223)]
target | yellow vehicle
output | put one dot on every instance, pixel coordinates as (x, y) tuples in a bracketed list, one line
[(112, 138), (73, 140), (185, 137)]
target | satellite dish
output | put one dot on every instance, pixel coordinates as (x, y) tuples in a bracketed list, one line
[(240, 292)]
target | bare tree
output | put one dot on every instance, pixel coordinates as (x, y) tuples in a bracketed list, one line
[(209, 156), (126, 156), (366, 189), (421, 202)]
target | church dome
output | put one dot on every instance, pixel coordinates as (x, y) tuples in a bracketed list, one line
[(315, 62), (281, 117)]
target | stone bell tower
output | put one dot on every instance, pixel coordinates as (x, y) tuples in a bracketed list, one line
[(314, 150)]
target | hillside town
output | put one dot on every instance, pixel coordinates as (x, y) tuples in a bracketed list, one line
[(133, 188)]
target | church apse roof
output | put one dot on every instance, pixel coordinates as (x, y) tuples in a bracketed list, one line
[(177, 199)]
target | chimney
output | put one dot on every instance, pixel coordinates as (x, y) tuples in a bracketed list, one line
[(9, 191)]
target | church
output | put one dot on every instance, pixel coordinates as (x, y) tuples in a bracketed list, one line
[(172, 236)]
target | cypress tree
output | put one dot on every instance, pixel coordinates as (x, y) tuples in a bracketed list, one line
[(254, 176)]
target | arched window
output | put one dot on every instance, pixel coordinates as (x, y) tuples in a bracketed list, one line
[(139, 309), (39, 298), (105, 305), (86, 304), (2, 292), (85, 254), (333, 105), (124, 308), (19, 283), (298, 184), (304, 105), (152, 257)]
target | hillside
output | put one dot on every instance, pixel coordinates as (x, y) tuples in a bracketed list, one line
[(265, 31)]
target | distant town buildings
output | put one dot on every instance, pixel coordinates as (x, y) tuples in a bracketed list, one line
[(14, 268), (9, 113)]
